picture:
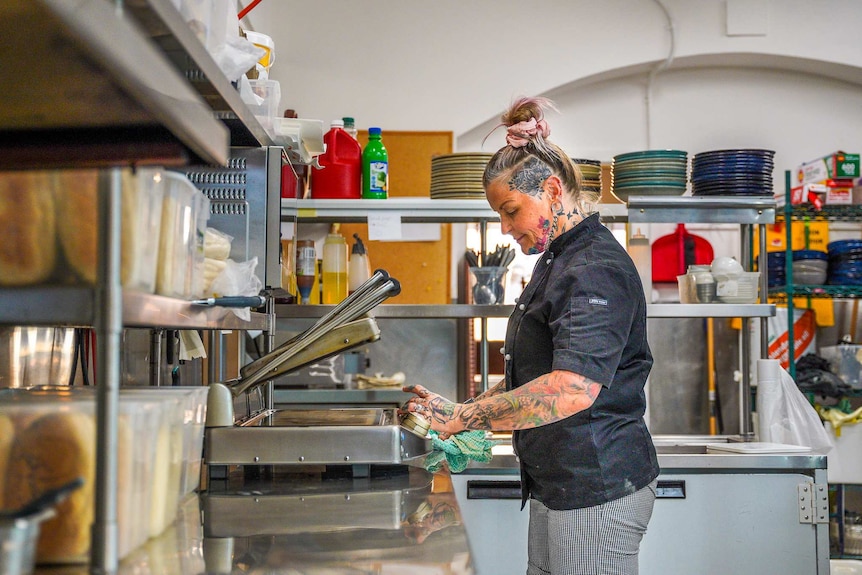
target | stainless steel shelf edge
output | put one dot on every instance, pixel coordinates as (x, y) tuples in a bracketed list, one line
[(74, 306), (676, 310), (411, 209), (418, 311), (701, 209), (467, 311), (640, 209), (161, 20), (98, 71)]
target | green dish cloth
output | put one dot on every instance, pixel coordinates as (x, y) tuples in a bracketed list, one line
[(457, 450)]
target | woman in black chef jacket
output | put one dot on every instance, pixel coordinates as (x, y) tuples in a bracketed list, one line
[(576, 361)]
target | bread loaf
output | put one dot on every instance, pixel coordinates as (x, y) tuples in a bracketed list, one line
[(77, 220), (51, 451), (28, 248)]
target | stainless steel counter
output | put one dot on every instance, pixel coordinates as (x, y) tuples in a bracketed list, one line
[(715, 512), (400, 519), (681, 453)]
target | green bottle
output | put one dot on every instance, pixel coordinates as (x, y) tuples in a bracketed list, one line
[(375, 168)]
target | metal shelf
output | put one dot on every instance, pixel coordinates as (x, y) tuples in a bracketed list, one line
[(103, 94), (410, 210), (467, 311), (75, 306), (676, 310), (640, 209), (701, 209), (828, 213), (166, 27), (817, 291)]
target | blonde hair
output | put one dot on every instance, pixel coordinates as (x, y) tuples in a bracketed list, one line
[(509, 160)]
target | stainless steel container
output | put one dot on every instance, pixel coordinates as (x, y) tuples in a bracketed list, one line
[(18, 539)]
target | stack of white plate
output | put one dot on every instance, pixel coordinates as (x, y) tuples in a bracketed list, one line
[(458, 176)]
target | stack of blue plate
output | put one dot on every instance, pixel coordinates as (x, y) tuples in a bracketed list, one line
[(845, 262), (776, 271), (732, 173), (649, 173)]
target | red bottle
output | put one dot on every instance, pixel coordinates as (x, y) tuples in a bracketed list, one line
[(341, 174)]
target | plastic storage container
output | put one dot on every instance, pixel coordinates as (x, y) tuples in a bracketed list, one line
[(358, 267), (334, 268), (180, 240), (55, 231), (639, 250), (340, 175), (267, 95)]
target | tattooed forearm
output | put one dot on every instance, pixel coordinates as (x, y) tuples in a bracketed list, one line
[(544, 400), (500, 387)]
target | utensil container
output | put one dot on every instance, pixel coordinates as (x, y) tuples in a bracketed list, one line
[(489, 284)]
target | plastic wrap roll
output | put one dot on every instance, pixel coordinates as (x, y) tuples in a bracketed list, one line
[(769, 398)]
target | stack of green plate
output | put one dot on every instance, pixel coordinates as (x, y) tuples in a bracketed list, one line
[(591, 174), (458, 176), (649, 173)]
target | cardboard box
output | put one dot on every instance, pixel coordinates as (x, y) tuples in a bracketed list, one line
[(834, 192), (836, 166), (839, 195)]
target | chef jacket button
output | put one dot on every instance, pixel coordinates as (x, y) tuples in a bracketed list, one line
[(548, 261), (502, 351), (508, 357), (522, 307), (516, 299)]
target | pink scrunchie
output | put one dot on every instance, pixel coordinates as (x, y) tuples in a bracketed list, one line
[(519, 135)]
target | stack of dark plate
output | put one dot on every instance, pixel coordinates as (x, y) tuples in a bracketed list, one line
[(743, 172), (591, 174), (458, 176), (845, 262), (649, 173), (776, 270)]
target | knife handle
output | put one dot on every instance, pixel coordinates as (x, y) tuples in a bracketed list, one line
[(253, 301)]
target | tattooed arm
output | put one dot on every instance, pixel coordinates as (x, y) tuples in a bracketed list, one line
[(546, 399), (497, 389)]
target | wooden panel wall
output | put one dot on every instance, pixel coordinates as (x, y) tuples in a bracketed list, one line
[(423, 268)]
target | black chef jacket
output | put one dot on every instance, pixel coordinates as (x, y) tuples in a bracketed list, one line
[(584, 311)]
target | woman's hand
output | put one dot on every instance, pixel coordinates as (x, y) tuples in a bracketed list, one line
[(441, 412)]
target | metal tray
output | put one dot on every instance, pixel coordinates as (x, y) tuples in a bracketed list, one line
[(348, 436)]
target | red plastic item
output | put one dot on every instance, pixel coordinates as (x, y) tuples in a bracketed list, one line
[(341, 176), (672, 254)]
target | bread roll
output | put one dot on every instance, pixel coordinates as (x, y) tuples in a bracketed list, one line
[(28, 248), (50, 452), (77, 220)]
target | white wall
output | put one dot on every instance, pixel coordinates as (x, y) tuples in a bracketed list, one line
[(454, 65)]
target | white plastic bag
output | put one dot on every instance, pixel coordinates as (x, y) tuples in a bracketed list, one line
[(237, 279), (784, 413)]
